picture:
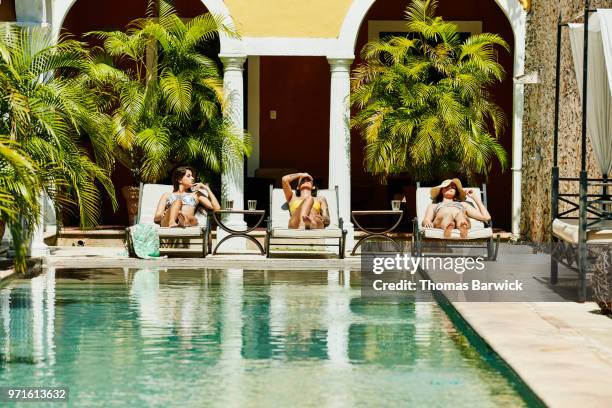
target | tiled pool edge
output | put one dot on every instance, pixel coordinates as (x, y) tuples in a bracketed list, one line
[(488, 352), (552, 347), (485, 348)]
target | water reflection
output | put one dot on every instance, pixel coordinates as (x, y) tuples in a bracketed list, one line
[(251, 315), (233, 332)]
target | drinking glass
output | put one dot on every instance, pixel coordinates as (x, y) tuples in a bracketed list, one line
[(395, 205), (229, 204), (252, 205)]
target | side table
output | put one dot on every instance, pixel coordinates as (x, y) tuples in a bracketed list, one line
[(236, 234), (376, 232)]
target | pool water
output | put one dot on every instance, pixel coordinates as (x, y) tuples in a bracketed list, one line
[(193, 338)]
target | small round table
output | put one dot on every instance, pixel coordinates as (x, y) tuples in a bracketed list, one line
[(377, 234), (236, 234)]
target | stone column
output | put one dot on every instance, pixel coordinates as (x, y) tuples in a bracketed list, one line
[(232, 179), (340, 139)]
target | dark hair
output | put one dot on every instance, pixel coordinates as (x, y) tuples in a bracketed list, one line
[(301, 181), (179, 173)]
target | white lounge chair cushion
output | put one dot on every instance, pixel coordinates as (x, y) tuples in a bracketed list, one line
[(477, 231), (149, 197), (567, 230), (297, 233), (280, 211), (473, 233), (179, 232)]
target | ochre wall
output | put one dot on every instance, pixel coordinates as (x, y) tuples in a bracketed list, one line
[(288, 18), (7, 10)]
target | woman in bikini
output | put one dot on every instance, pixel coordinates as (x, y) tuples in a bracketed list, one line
[(307, 211), (177, 209), (449, 210)]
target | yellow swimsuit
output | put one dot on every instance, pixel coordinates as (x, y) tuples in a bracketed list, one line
[(296, 203)]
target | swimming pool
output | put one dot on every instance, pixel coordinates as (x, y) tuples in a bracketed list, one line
[(151, 337)]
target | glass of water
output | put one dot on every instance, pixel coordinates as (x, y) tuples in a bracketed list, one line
[(395, 205), (252, 205), (229, 204)]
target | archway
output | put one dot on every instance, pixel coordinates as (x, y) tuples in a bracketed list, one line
[(80, 18), (498, 16)]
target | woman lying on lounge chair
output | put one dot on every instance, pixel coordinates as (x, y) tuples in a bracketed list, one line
[(307, 211), (449, 209), (177, 209)]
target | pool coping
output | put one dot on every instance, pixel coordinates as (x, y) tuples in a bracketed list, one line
[(556, 359)]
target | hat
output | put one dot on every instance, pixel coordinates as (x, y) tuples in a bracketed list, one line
[(435, 191)]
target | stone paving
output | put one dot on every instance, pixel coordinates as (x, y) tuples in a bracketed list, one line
[(560, 348)]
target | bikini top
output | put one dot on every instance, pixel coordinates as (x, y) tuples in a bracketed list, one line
[(293, 204), (441, 205), (187, 199)]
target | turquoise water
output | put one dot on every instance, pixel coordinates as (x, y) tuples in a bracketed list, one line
[(195, 338)]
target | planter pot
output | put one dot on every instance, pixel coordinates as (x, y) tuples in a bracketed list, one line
[(131, 195)]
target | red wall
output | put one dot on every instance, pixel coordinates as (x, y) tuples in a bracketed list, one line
[(7, 10), (297, 88)]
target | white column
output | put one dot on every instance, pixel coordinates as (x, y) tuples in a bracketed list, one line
[(232, 179), (517, 157), (340, 139)]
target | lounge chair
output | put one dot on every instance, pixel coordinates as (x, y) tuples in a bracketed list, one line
[(278, 221), (147, 204), (480, 235)]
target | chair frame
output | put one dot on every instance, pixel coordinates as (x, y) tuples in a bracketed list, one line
[(205, 232), (420, 242), (341, 240)]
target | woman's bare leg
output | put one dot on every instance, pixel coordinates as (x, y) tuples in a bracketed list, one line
[(296, 222), (187, 220), (306, 210), (463, 224), (445, 221), (173, 213), (316, 220)]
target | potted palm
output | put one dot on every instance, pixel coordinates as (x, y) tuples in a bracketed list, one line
[(19, 192), (167, 107), (47, 117), (423, 101)]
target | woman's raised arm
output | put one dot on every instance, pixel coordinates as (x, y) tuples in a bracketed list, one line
[(286, 182)]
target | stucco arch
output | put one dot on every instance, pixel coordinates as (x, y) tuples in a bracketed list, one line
[(61, 8), (516, 16)]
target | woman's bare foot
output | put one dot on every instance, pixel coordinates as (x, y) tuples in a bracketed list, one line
[(448, 231), (463, 230), (307, 221), (182, 221)]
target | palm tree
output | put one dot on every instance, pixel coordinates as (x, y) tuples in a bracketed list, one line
[(19, 197), (43, 107), (424, 100), (167, 108)]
